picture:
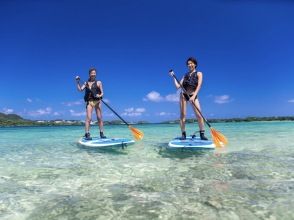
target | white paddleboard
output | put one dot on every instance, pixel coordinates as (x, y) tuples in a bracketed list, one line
[(106, 142), (191, 143)]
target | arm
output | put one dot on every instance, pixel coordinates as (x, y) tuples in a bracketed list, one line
[(99, 84), (177, 84), (80, 87), (175, 81), (200, 78)]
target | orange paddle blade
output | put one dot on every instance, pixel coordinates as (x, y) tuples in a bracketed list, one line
[(138, 135), (218, 138)]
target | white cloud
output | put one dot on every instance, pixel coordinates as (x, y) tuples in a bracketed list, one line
[(129, 109), (153, 97), (140, 110), (291, 100), (31, 100), (165, 114), (77, 114), (45, 111), (8, 110), (157, 97), (132, 112), (56, 113), (222, 99), (73, 103), (172, 97)]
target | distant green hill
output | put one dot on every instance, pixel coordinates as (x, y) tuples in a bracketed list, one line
[(13, 119), (10, 117)]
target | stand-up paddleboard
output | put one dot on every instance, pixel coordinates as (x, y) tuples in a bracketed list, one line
[(106, 142), (191, 143)]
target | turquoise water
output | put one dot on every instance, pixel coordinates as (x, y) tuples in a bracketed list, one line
[(44, 174)]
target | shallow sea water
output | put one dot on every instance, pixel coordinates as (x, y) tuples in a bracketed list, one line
[(44, 174)]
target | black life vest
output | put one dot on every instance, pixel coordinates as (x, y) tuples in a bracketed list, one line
[(190, 83), (90, 93)]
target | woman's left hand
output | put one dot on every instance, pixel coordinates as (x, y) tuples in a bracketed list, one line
[(192, 98)]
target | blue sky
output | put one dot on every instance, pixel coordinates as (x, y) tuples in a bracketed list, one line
[(244, 49)]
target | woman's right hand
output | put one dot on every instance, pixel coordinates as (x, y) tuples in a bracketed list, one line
[(78, 78), (171, 73)]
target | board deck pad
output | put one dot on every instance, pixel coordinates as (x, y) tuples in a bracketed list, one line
[(191, 143), (106, 142)]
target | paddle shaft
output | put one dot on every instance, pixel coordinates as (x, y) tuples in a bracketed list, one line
[(111, 109), (115, 113), (184, 91)]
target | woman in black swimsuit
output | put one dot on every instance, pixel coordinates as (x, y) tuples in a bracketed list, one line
[(191, 82), (93, 94)]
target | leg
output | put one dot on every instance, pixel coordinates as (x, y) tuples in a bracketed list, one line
[(89, 110), (98, 109), (183, 115), (197, 114), (199, 119), (99, 116)]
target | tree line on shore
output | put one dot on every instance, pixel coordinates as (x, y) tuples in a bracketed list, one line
[(16, 120)]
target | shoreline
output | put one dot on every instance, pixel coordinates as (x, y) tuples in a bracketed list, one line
[(6, 124)]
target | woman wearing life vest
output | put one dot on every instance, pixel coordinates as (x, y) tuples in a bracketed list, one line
[(191, 82), (93, 95)]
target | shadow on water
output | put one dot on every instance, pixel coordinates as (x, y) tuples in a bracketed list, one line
[(165, 152), (107, 150)]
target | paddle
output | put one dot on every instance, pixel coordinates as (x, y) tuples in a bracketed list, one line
[(138, 135), (217, 137)]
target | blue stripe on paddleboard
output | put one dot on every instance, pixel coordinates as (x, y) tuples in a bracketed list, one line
[(108, 142), (191, 143)]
